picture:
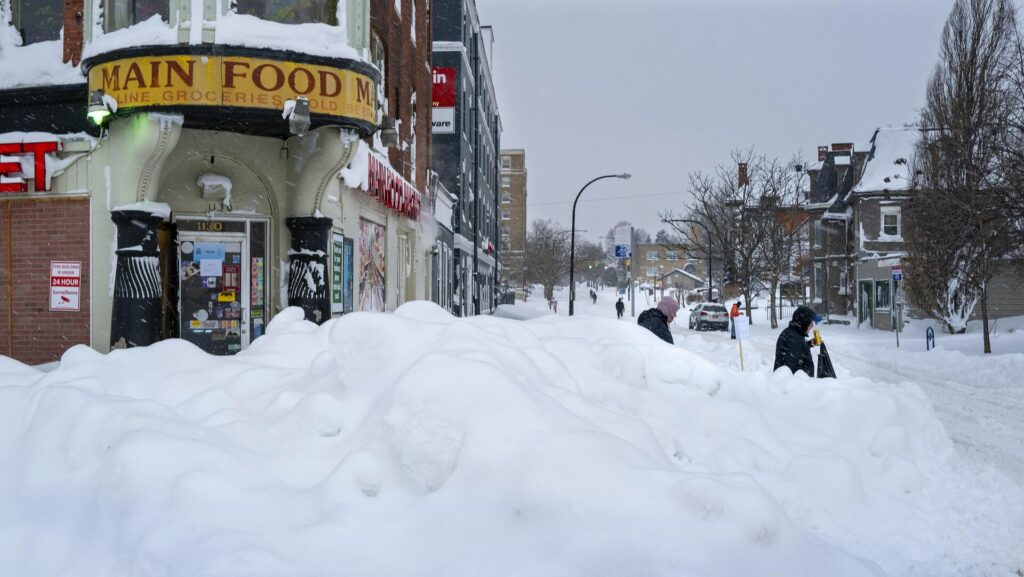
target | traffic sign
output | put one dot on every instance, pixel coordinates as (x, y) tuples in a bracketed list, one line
[(622, 251), (897, 272)]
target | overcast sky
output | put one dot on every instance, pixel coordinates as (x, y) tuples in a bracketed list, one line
[(660, 88)]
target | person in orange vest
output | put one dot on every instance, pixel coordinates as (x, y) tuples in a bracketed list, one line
[(733, 313)]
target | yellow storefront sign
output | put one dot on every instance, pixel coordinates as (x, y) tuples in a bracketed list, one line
[(236, 81)]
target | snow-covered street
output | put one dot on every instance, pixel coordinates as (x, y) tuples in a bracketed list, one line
[(979, 399)]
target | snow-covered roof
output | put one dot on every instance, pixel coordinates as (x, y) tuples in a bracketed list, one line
[(233, 29), (684, 273), (888, 166)]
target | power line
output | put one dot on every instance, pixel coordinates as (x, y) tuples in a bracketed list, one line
[(605, 198)]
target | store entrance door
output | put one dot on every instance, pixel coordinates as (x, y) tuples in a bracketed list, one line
[(213, 292)]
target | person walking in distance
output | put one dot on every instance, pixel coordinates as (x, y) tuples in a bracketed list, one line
[(657, 319), (620, 307), (792, 349), (733, 313)]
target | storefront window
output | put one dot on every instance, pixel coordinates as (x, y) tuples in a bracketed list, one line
[(38, 20), (291, 11), (119, 14)]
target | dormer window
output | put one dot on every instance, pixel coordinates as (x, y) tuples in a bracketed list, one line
[(118, 14), (291, 11)]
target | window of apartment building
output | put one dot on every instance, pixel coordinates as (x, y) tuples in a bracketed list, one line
[(652, 255), (38, 20), (506, 198), (119, 14), (671, 255), (291, 11), (690, 268), (506, 181), (883, 298), (506, 215), (506, 162), (891, 221), (379, 58), (652, 271), (819, 283)]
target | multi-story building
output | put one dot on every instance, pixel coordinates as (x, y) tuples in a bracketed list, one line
[(831, 230), (857, 201), (513, 225), (655, 261), (466, 145), (234, 168)]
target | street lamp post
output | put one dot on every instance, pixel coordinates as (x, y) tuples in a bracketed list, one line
[(572, 237)]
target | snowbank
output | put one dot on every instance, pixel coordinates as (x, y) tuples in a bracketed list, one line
[(414, 443)]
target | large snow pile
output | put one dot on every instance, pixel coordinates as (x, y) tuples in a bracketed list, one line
[(418, 444)]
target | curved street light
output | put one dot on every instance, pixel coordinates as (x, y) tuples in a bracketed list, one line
[(572, 237)]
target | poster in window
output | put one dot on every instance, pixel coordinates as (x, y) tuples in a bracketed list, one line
[(371, 266), (337, 272), (347, 263)]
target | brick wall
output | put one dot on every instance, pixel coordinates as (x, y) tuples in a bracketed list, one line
[(73, 11), (40, 231), (407, 71)]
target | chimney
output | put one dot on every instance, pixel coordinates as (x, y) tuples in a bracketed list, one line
[(822, 153), (743, 179)]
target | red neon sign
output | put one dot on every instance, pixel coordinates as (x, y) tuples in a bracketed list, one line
[(11, 177), (392, 190)]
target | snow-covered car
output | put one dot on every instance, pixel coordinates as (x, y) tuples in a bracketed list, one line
[(705, 316)]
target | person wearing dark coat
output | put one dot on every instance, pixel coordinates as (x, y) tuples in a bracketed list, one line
[(620, 307), (657, 319), (792, 349)]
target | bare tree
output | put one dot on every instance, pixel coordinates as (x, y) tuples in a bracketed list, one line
[(547, 256), (958, 230), (782, 221), (736, 215), (590, 257)]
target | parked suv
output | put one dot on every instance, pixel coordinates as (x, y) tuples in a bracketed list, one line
[(706, 316)]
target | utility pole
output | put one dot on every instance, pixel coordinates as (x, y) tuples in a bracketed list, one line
[(632, 271)]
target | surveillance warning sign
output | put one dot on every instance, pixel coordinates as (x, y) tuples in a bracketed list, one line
[(65, 285)]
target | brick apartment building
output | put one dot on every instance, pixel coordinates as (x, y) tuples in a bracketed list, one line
[(513, 220), (181, 214)]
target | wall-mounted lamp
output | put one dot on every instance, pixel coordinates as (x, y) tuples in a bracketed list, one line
[(298, 118), (388, 132), (99, 107)]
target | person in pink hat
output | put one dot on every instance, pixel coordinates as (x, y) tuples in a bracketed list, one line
[(657, 319)]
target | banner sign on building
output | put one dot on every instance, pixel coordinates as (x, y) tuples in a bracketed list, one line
[(65, 285), (623, 241), (392, 190), (443, 99), (235, 81)]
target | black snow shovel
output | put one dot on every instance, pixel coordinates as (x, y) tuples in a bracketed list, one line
[(825, 368)]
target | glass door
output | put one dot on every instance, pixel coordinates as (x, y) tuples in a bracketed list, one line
[(866, 308), (214, 290)]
